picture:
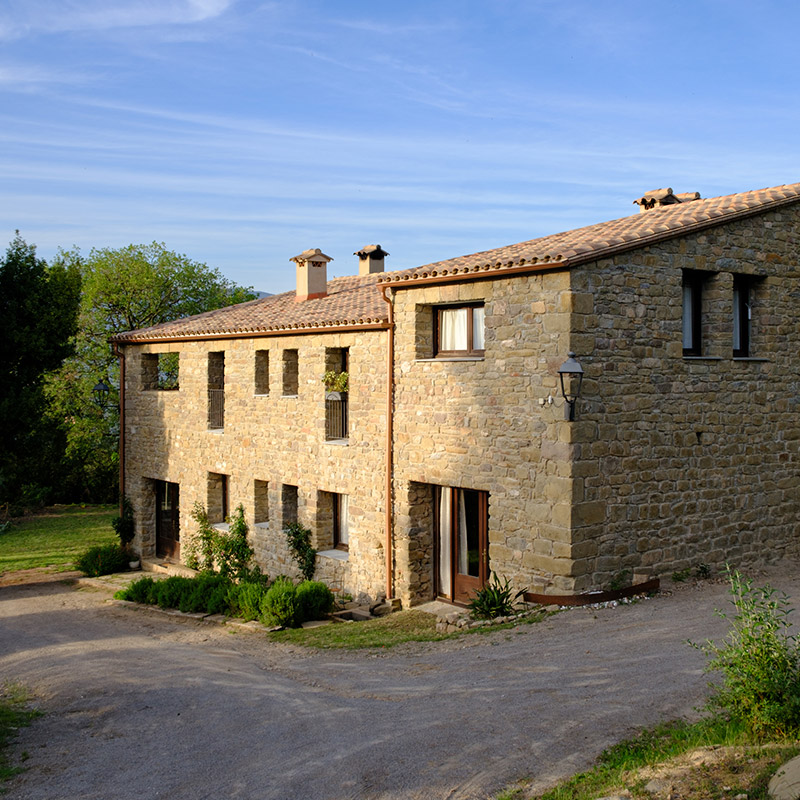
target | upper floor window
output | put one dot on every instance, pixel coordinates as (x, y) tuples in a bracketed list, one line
[(741, 316), (216, 390), (291, 373), (459, 330), (692, 313), (160, 371), (262, 372)]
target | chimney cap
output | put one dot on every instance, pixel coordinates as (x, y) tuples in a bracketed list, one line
[(664, 197), (312, 254), (371, 250)]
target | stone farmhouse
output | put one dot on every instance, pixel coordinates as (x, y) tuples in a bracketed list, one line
[(451, 453)]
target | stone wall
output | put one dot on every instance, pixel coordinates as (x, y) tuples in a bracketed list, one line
[(688, 460), (268, 442), (478, 424)]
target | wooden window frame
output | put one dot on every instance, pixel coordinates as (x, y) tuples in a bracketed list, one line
[(471, 350)]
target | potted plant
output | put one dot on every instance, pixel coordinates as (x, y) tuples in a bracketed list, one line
[(126, 530), (336, 384)]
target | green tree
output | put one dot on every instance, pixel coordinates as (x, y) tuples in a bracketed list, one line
[(39, 308), (123, 289)]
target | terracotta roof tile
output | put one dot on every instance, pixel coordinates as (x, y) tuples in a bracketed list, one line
[(351, 301), (356, 301), (607, 238)]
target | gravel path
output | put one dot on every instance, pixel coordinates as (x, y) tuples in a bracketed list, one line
[(143, 705)]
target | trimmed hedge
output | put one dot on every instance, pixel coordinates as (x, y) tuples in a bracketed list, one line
[(103, 560), (282, 603)]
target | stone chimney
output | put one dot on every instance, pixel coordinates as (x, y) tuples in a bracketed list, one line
[(664, 197), (312, 274), (370, 259)]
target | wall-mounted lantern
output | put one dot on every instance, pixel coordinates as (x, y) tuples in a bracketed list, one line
[(100, 394), (571, 387)]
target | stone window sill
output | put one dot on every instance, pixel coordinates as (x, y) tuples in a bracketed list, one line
[(752, 358), (264, 526), (451, 358), (336, 555), (262, 394), (221, 526), (338, 442)]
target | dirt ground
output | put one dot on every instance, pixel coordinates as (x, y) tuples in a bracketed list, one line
[(139, 704)]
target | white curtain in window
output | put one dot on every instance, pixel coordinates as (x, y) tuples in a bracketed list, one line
[(463, 547), (453, 329), (445, 519), (478, 317), (344, 519)]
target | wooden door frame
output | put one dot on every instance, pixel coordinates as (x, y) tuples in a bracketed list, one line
[(483, 568), (172, 490)]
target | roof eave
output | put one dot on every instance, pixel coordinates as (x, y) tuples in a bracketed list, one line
[(250, 334)]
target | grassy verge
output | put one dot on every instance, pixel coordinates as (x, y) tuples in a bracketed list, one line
[(13, 715), (732, 763), (397, 628), (403, 626), (56, 537)]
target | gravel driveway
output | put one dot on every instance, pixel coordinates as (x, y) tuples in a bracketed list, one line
[(143, 705)]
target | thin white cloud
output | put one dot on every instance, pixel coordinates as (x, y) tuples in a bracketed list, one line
[(30, 17), (24, 76)]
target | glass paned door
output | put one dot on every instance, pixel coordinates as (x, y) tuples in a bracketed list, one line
[(462, 520), (167, 520)]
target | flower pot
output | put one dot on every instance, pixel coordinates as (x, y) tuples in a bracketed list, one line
[(135, 564)]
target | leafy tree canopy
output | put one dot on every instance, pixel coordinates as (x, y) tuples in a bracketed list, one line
[(123, 289), (39, 308)]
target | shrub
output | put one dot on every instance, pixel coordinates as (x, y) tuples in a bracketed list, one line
[(494, 600), (314, 600), (103, 560), (245, 599), (231, 550), (299, 540), (138, 592), (279, 606), (210, 594), (204, 559), (759, 663), (123, 524)]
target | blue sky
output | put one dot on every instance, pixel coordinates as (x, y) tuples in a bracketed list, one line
[(241, 132)]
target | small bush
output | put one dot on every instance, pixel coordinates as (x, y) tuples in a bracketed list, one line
[(245, 599), (703, 570), (279, 606), (103, 560), (681, 575), (759, 663), (123, 524), (494, 600), (138, 592), (205, 594), (299, 540), (314, 600)]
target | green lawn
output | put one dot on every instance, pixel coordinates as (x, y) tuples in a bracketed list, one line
[(56, 537)]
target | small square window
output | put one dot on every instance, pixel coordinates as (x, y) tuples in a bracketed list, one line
[(459, 330)]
